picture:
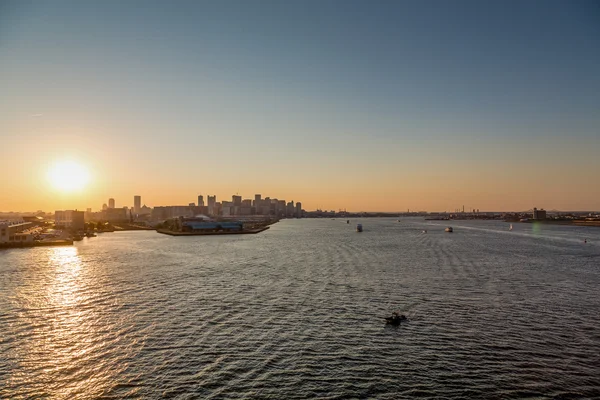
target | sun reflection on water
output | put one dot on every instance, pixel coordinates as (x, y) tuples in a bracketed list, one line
[(63, 344), (65, 289)]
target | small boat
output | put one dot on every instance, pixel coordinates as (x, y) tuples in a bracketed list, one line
[(397, 220), (448, 229), (348, 221), (77, 238), (511, 228), (424, 230), (359, 228), (395, 319)]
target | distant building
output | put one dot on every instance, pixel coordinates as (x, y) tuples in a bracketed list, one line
[(111, 203), (137, 204), (227, 208), (257, 201), (237, 200), (114, 215), (200, 200), (104, 206), (289, 212), (70, 219), (298, 210), (212, 201), (162, 213), (280, 208), (539, 214)]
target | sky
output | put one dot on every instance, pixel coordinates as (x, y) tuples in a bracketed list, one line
[(367, 106)]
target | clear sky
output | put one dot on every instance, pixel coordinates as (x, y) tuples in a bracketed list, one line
[(371, 105)]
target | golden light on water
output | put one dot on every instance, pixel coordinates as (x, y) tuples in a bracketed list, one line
[(68, 176)]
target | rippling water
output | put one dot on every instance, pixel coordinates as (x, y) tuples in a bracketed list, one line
[(297, 311)]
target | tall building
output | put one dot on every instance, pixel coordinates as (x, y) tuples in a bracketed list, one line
[(212, 201), (298, 210), (104, 206), (200, 200), (257, 201), (137, 204), (111, 203), (290, 209), (236, 200)]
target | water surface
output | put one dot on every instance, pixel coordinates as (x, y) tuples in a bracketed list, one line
[(297, 312)]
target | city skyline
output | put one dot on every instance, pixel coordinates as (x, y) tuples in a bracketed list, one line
[(388, 107)]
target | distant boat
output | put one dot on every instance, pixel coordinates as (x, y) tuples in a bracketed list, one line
[(449, 229), (511, 228), (397, 220), (359, 228), (348, 221), (424, 230)]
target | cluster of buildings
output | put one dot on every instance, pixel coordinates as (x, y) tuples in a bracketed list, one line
[(237, 207)]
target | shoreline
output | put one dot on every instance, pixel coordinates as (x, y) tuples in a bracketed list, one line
[(36, 244), (243, 232)]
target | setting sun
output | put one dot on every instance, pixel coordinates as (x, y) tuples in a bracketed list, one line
[(68, 176)]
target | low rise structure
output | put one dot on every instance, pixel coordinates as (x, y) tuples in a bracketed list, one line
[(70, 219), (16, 232)]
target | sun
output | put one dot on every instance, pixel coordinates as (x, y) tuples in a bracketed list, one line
[(68, 176)]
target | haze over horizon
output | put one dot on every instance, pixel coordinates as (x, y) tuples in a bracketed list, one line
[(369, 107)]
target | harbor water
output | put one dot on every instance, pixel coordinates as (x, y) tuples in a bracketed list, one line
[(298, 312)]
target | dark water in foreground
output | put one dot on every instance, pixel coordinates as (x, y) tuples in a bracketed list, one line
[(296, 312)]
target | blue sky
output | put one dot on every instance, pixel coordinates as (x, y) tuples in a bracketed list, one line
[(313, 87)]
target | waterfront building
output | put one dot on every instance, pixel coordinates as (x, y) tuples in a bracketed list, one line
[(111, 203), (539, 214), (280, 208), (298, 210), (70, 219), (137, 204), (237, 200), (17, 231), (289, 212), (200, 200), (257, 201)]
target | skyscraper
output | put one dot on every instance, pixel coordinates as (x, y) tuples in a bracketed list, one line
[(200, 200), (298, 210), (111, 203), (137, 204)]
